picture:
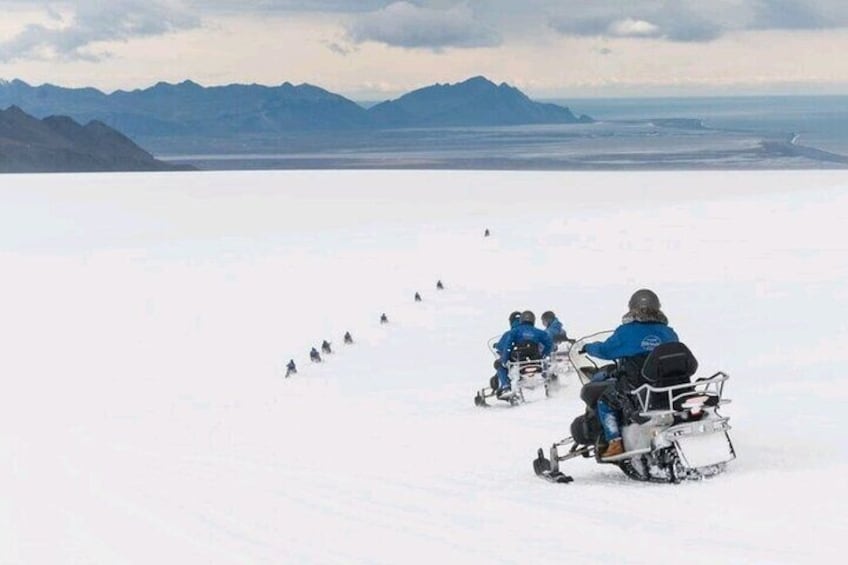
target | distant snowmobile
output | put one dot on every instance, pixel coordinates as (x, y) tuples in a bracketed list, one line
[(527, 371), (439, 285), (348, 339), (674, 431), (314, 356), (326, 348), (384, 319), (486, 233), (417, 297), (291, 368)]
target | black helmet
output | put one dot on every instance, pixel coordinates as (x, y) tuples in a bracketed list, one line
[(547, 318), (644, 306), (527, 317), (513, 318), (644, 300)]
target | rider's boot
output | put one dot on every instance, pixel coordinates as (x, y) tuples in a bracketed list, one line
[(614, 447)]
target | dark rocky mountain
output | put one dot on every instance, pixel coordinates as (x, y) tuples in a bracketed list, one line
[(193, 111), (59, 144), (475, 102), (188, 109)]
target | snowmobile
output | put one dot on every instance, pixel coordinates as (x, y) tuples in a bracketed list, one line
[(527, 370), (671, 428), (560, 363)]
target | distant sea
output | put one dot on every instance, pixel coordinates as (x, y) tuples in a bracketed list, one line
[(819, 121), (762, 132)]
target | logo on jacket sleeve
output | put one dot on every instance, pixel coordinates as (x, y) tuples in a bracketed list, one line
[(650, 342)]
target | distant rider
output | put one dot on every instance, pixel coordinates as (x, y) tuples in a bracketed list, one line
[(326, 349), (291, 368), (314, 356), (348, 339), (642, 328), (523, 336), (554, 327)]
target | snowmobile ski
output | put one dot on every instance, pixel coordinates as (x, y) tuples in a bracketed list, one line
[(543, 469)]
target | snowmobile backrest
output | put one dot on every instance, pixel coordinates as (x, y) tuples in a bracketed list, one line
[(669, 364), (525, 351)]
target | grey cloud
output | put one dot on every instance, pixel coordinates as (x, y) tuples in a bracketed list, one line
[(425, 24), (271, 6), (403, 24), (339, 48), (798, 14), (92, 22), (695, 20), (674, 21)]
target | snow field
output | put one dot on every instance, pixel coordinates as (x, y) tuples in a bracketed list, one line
[(147, 320)]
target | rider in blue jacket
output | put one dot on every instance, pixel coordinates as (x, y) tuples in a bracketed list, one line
[(501, 344), (643, 327), (524, 332), (554, 327)]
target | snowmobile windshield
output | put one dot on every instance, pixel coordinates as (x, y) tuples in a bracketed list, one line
[(584, 364)]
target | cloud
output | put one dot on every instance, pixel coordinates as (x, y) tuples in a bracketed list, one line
[(403, 24), (629, 27), (692, 20), (298, 5), (340, 48), (91, 22), (798, 14), (671, 21)]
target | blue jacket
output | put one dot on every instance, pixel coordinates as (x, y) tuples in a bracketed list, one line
[(555, 328), (521, 333), (631, 339), (499, 347)]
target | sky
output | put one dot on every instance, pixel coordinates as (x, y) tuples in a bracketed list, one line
[(378, 49)]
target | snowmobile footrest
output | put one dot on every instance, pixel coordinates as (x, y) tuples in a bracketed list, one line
[(625, 455)]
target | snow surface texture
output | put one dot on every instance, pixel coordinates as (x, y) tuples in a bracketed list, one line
[(146, 320)]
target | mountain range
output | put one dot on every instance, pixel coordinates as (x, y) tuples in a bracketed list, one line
[(60, 144), (189, 109)]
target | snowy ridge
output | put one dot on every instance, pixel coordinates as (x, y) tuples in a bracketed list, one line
[(145, 329)]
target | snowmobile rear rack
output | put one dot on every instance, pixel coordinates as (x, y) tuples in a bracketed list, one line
[(700, 392)]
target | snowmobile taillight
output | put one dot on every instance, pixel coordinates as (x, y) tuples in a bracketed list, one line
[(695, 403)]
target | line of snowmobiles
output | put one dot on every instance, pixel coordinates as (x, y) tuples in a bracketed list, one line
[(672, 430)]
